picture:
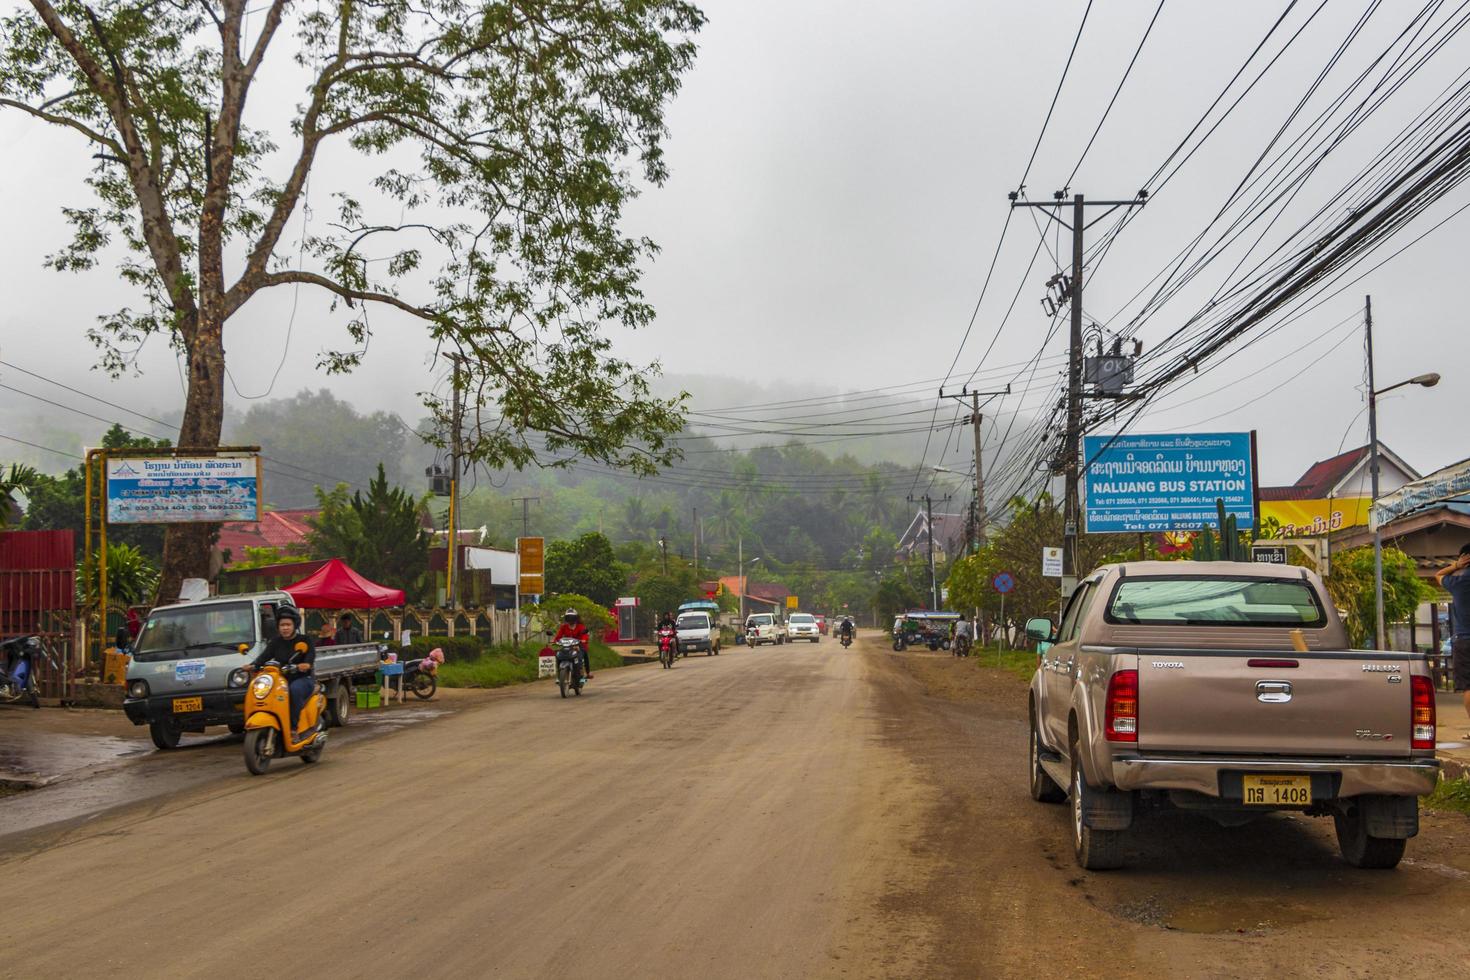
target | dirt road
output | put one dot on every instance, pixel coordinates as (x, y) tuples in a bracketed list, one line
[(789, 812)]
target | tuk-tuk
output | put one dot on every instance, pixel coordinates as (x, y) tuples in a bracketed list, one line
[(923, 627)]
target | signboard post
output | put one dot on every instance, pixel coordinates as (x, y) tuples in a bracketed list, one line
[(1270, 554), (532, 552), (1051, 562), (182, 489), (791, 602), (1145, 483), (1003, 582)]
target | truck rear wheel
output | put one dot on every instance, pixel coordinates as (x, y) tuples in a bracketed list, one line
[(1096, 850), (165, 734), (339, 708), (1362, 850)]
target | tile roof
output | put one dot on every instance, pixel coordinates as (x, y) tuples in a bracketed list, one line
[(276, 529)]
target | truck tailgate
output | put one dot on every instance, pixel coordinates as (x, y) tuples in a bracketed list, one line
[(1253, 704)]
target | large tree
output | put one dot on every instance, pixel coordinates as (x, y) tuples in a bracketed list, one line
[(586, 566), (508, 136), (381, 535)]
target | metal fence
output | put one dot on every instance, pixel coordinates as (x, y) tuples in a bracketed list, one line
[(42, 601)]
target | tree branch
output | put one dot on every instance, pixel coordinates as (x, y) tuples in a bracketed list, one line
[(67, 121), (352, 296)]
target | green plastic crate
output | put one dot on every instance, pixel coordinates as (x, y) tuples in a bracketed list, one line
[(369, 697)]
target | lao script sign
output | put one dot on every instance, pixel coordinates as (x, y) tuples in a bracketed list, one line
[(1168, 482), (184, 489)]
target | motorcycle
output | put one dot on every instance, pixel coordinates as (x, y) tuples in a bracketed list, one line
[(668, 647), (961, 645), (569, 672), (847, 638), (18, 669), (268, 732), (422, 676)]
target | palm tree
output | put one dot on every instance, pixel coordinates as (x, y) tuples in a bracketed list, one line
[(20, 479), (877, 500), (635, 520)]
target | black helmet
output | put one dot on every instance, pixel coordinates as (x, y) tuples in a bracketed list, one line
[(288, 612)]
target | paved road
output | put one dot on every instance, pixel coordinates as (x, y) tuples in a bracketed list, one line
[(789, 812)]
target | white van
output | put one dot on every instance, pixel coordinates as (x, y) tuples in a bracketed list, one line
[(697, 631), (763, 628)]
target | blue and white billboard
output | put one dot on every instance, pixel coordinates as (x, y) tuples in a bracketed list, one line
[(169, 490), (1168, 482)]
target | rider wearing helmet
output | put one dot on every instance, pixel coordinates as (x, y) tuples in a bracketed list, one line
[(846, 629), (294, 651), (572, 625)]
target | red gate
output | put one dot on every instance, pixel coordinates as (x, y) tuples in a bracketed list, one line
[(38, 595)]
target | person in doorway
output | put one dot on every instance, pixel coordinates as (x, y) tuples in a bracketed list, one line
[(347, 631), (296, 654), (572, 625), (1455, 579)]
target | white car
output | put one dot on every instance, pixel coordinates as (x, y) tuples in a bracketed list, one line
[(803, 626), (696, 632), (762, 628)]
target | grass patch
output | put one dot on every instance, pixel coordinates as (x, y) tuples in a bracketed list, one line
[(1450, 794), (1021, 663), (504, 665)]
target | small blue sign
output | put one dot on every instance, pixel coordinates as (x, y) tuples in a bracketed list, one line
[(1004, 582), (1139, 483), (190, 670)]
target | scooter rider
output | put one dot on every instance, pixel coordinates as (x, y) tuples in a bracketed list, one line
[(846, 628), (572, 625), (296, 654)]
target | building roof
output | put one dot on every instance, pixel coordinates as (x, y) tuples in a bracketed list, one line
[(1323, 477), (281, 529), (949, 533), (763, 591)]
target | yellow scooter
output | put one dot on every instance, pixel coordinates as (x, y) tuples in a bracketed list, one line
[(268, 722)]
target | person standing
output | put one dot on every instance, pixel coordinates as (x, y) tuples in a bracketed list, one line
[(347, 631), (1455, 579)]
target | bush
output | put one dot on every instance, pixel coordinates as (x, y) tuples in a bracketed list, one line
[(456, 648), (547, 615), (502, 666)]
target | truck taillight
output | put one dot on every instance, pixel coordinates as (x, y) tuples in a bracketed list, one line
[(1422, 735), (1120, 715)]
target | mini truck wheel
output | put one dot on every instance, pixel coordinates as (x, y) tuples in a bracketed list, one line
[(1362, 850), (165, 734)]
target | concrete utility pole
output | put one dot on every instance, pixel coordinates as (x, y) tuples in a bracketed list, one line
[(1072, 442), (977, 420), (525, 503)]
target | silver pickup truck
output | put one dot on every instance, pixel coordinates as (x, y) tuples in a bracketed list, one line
[(190, 665), (1225, 688)]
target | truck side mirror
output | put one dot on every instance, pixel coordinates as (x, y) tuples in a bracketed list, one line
[(1038, 629)]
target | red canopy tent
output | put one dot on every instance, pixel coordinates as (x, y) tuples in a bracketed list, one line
[(336, 586)]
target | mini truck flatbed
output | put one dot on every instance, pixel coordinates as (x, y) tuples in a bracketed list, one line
[(188, 672)]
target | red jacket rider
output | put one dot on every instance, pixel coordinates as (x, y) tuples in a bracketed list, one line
[(572, 626)]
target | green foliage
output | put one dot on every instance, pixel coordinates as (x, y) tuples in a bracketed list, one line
[(1231, 545), (260, 557), (379, 535), (1352, 590), (131, 578), (547, 616), (316, 431), (505, 140), (456, 648), (1450, 794), (586, 566), (660, 593), (56, 503), (503, 666), (19, 480), (895, 594)]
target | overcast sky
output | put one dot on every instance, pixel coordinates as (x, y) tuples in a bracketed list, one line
[(839, 180)]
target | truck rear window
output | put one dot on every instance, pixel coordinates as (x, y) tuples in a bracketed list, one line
[(1208, 600)]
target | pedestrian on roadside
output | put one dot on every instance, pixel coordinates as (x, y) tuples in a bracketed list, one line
[(347, 631), (1455, 579)]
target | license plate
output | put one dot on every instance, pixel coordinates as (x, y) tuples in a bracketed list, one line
[(182, 705), (1278, 790)]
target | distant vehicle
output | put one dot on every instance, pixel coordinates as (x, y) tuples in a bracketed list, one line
[(697, 631), (802, 626), (821, 624), (762, 628), (1225, 688)]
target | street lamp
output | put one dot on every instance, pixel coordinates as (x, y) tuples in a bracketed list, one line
[(743, 563), (1380, 633)]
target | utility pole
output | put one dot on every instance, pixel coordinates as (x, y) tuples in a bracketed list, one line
[(977, 420), (1072, 442), (663, 545), (525, 503), (1380, 629), (696, 544), (455, 449)]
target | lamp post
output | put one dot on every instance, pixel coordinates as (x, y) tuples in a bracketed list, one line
[(1380, 633), (743, 563)]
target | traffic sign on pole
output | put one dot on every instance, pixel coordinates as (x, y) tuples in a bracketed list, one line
[(1004, 582)]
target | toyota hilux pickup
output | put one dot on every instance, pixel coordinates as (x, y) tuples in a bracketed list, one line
[(1225, 688)]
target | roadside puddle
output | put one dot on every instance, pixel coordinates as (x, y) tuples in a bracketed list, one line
[(1239, 916)]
